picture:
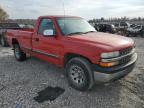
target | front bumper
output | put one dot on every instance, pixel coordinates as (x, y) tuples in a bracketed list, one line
[(103, 75)]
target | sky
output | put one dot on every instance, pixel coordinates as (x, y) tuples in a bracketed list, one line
[(88, 9)]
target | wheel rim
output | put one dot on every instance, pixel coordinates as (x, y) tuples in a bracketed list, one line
[(77, 75), (17, 52)]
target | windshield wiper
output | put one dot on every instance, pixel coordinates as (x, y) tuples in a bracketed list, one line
[(75, 33), (89, 32)]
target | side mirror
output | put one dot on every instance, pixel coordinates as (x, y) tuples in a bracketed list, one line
[(48, 32)]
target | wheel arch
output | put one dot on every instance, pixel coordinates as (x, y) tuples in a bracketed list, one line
[(69, 56), (14, 41)]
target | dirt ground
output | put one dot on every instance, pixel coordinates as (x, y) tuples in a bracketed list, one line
[(20, 82)]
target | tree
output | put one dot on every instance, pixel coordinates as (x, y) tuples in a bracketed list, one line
[(3, 15), (102, 19), (139, 18)]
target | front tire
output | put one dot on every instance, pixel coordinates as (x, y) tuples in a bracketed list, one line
[(79, 74), (18, 53)]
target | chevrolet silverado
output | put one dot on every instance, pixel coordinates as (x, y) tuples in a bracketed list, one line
[(89, 57)]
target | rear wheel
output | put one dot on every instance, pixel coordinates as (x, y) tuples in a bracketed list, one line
[(79, 74), (18, 53)]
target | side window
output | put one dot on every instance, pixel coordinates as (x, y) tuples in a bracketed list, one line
[(123, 24), (46, 24)]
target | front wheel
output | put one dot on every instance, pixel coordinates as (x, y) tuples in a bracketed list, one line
[(18, 53), (79, 74)]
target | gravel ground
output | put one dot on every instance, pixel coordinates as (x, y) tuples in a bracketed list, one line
[(20, 82)]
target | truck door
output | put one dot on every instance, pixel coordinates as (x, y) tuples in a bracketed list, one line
[(45, 43)]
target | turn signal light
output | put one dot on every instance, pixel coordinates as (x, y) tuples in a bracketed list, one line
[(105, 64)]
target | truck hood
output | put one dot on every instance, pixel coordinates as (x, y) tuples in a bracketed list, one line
[(104, 40)]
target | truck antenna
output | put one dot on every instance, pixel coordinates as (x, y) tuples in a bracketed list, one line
[(63, 6), (63, 11)]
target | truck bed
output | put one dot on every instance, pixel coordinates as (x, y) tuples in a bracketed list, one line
[(23, 35)]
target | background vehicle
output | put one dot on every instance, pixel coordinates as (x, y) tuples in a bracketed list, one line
[(142, 32), (110, 28), (121, 28), (3, 29), (136, 31), (132, 25), (70, 42), (28, 26)]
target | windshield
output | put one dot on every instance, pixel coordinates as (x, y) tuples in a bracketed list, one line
[(71, 26)]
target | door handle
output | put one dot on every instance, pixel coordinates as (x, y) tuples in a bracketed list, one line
[(36, 39)]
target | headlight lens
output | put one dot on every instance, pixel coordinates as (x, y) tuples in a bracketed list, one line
[(110, 54)]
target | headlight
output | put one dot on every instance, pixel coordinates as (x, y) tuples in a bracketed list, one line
[(110, 54)]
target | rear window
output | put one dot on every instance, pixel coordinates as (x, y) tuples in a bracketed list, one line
[(8, 25)]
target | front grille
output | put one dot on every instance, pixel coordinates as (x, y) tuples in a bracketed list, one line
[(125, 59), (125, 51)]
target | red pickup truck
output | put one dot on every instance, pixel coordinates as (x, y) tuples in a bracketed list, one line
[(70, 42)]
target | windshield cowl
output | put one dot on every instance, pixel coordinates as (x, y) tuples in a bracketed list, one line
[(76, 33)]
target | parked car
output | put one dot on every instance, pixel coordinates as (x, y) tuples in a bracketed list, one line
[(110, 28), (133, 25), (121, 28), (136, 31), (3, 29), (142, 32), (122, 25), (89, 57), (26, 26)]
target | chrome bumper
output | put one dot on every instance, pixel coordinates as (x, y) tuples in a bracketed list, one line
[(101, 77)]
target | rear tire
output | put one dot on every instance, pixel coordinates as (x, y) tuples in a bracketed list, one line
[(79, 74), (18, 53)]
